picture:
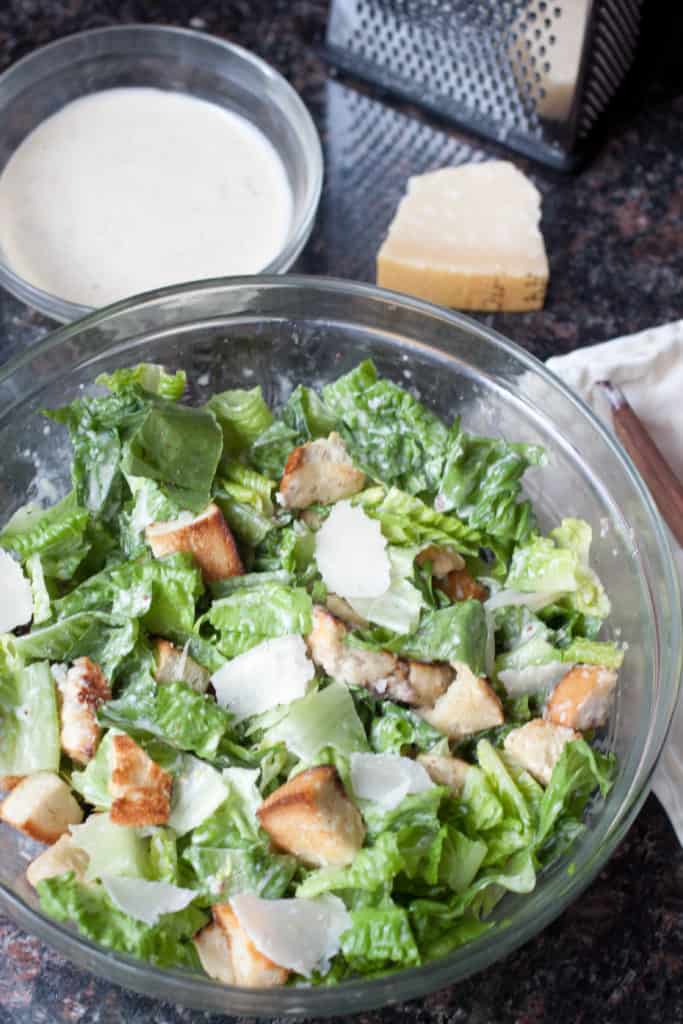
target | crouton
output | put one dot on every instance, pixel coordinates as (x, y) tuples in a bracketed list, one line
[(350, 665), (537, 747), (428, 682), (82, 692), (250, 967), (174, 666), (582, 698), (213, 950), (141, 790), (42, 806), (460, 586), (468, 706), (8, 782), (59, 858), (319, 472), (444, 560), (445, 770), (207, 537), (312, 817)]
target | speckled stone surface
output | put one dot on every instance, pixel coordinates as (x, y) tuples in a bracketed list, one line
[(615, 240)]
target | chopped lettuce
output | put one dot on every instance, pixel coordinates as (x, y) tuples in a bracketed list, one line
[(29, 722), (322, 719), (57, 534), (303, 418), (398, 608), (242, 415), (246, 618), (389, 434), (407, 520), (148, 376), (198, 789), (559, 564), (482, 482), (166, 944), (111, 849), (105, 638), (160, 592), (178, 447)]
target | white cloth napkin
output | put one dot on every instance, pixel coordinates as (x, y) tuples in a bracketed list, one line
[(649, 369)]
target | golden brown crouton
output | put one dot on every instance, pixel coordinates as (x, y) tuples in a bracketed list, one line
[(537, 746), (460, 586), (444, 560), (8, 782), (445, 770), (312, 817), (213, 950), (582, 698), (42, 806), (174, 666), (250, 967), (468, 706), (207, 537), (141, 790), (349, 665), (320, 471), (83, 691), (59, 858)]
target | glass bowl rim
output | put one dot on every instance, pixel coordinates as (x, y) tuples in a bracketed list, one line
[(356, 996), (66, 311)]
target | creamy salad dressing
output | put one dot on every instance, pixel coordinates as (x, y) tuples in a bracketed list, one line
[(135, 188)]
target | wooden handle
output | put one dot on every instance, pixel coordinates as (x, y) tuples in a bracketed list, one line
[(655, 470)]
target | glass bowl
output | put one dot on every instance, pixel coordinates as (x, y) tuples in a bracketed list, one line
[(277, 332), (172, 59)]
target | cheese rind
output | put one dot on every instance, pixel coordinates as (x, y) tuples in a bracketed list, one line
[(468, 237)]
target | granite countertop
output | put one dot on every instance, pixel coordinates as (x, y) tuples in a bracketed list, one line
[(614, 234)]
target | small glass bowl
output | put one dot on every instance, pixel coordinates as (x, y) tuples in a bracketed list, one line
[(165, 58), (282, 331)]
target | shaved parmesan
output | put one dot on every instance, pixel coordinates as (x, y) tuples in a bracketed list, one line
[(301, 935), (533, 601), (351, 553), (198, 790), (274, 672), (146, 901), (387, 779), (532, 678), (16, 598)]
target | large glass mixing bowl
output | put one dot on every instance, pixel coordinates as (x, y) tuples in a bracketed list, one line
[(278, 332)]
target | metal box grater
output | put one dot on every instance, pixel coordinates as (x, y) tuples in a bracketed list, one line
[(533, 75)]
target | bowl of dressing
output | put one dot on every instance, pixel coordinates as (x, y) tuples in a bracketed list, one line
[(142, 156)]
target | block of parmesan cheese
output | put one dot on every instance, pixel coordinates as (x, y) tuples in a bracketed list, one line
[(468, 237)]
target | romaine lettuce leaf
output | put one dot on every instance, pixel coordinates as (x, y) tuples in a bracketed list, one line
[(198, 789), (98, 427), (245, 498), (389, 434), (161, 592), (379, 937), (106, 639), (166, 944), (559, 564), (242, 415), (112, 849), (482, 482), (178, 447), (163, 856), (93, 781), (455, 633), (302, 418), (29, 722), (149, 376), (398, 608), (39, 589), (246, 618), (406, 519), (373, 870), (394, 727), (57, 534), (321, 719)]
